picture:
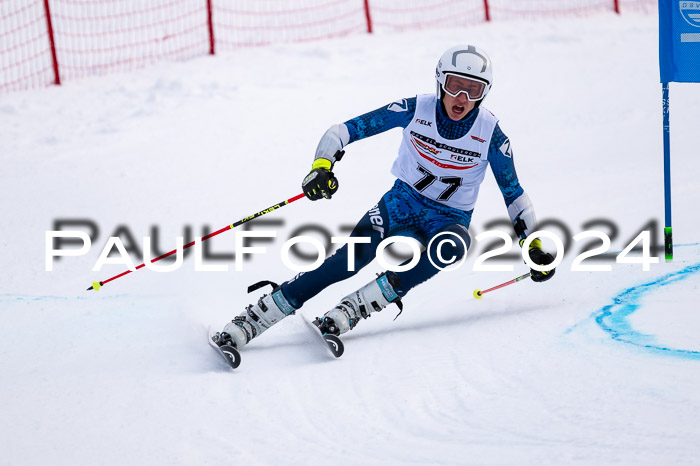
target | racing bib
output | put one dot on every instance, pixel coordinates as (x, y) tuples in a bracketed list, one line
[(444, 170)]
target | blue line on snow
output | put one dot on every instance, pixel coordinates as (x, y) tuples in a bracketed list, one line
[(20, 298), (14, 297), (613, 318)]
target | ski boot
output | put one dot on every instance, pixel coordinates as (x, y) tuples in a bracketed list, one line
[(256, 318), (374, 296)]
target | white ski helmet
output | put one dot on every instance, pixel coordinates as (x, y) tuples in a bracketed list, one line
[(468, 61)]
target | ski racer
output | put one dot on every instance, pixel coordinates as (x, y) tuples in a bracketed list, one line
[(448, 141)]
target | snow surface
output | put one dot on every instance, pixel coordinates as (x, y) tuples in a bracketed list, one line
[(590, 367)]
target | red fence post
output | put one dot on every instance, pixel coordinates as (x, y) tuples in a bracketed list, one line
[(617, 6), (56, 74), (369, 17), (486, 10), (211, 28)]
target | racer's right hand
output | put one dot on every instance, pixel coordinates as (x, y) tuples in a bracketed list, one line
[(320, 183)]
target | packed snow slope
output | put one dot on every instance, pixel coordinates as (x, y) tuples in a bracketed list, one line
[(590, 367)]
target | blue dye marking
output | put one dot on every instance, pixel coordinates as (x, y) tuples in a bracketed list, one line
[(4, 298), (18, 298), (613, 318)]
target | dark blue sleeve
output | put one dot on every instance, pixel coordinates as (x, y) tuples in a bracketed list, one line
[(395, 114), (503, 167)]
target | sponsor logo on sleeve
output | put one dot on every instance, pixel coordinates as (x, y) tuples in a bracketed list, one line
[(398, 106), (506, 149)]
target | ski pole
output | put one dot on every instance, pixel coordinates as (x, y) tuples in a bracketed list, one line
[(97, 285), (478, 294)]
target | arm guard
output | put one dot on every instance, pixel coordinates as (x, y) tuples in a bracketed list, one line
[(331, 142), (522, 214)]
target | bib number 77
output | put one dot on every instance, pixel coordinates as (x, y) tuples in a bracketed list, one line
[(453, 183)]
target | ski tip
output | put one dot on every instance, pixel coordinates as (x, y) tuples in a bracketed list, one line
[(228, 352), (232, 355), (335, 344)]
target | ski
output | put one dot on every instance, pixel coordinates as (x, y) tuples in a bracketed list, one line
[(332, 342), (229, 353)]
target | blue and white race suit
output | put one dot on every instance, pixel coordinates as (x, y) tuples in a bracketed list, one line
[(440, 165)]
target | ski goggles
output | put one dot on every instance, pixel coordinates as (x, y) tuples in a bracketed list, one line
[(454, 85)]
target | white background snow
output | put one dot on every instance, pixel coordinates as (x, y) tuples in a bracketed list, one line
[(526, 375)]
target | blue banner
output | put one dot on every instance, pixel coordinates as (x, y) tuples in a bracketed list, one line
[(679, 40)]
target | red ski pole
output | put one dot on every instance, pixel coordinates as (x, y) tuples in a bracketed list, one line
[(478, 294), (98, 285)]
